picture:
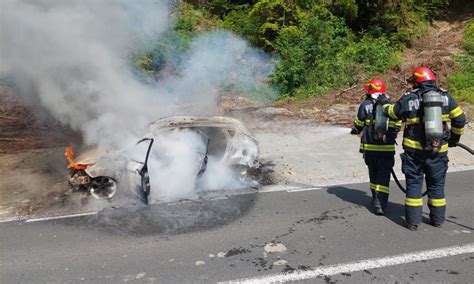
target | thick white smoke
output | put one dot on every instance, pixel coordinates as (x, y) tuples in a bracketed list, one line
[(76, 54), (74, 57), (177, 155)]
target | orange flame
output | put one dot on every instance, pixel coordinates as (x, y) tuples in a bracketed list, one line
[(69, 153)]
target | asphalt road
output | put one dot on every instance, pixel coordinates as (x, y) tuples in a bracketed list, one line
[(228, 239)]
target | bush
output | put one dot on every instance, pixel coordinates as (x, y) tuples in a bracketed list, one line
[(323, 54), (317, 48), (262, 22), (399, 21), (373, 55)]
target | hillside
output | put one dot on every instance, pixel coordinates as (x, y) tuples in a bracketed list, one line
[(438, 50)]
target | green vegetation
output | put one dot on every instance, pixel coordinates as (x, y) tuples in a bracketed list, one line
[(188, 23), (318, 44), (339, 58), (461, 83)]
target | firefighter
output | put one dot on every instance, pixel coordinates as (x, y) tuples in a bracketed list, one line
[(377, 141), (426, 109)]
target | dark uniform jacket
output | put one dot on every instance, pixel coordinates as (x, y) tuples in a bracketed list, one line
[(410, 109), (365, 121)]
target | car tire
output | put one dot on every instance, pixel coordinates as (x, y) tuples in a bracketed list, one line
[(103, 187)]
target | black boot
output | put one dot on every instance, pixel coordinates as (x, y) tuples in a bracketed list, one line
[(378, 211), (437, 225), (377, 207), (412, 227)]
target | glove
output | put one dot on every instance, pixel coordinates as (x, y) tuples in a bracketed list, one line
[(453, 140), (354, 131)]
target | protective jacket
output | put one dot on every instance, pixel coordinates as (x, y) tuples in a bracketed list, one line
[(410, 109), (365, 122)]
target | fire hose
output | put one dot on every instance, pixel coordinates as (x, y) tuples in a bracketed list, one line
[(465, 147)]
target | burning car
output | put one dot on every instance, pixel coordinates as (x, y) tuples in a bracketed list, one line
[(104, 174)]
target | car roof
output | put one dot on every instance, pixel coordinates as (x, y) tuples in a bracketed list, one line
[(197, 121)]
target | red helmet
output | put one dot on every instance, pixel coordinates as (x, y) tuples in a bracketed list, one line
[(375, 86), (422, 74)]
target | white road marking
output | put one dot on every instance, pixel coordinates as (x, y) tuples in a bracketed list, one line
[(277, 187), (61, 216), (13, 219), (304, 189), (287, 188), (360, 265)]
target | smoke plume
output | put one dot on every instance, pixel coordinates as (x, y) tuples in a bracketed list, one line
[(74, 58)]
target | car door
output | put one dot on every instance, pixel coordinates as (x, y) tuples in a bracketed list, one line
[(137, 169)]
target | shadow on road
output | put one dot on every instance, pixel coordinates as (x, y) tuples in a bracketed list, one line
[(426, 220), (169, 218), (394, 211)]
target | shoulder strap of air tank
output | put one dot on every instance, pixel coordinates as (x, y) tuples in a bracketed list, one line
[(374, 109), (420, 93), (441, 90)]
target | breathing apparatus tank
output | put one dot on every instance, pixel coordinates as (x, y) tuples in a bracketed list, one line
[(381, 121), (433, 119)]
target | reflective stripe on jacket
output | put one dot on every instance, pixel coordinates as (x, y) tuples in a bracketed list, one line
[(410, 109), (365, 122)]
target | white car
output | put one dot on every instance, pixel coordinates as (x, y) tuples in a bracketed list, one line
[(103, 174)]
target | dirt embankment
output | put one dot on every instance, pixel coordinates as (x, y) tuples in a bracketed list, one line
[(24, 127), (32, 163)]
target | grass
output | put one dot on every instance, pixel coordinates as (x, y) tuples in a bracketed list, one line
[(461, 83)]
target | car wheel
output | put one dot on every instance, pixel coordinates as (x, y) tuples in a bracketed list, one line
[(103, 188)]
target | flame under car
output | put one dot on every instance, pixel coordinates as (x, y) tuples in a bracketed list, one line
[(104, 175)]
